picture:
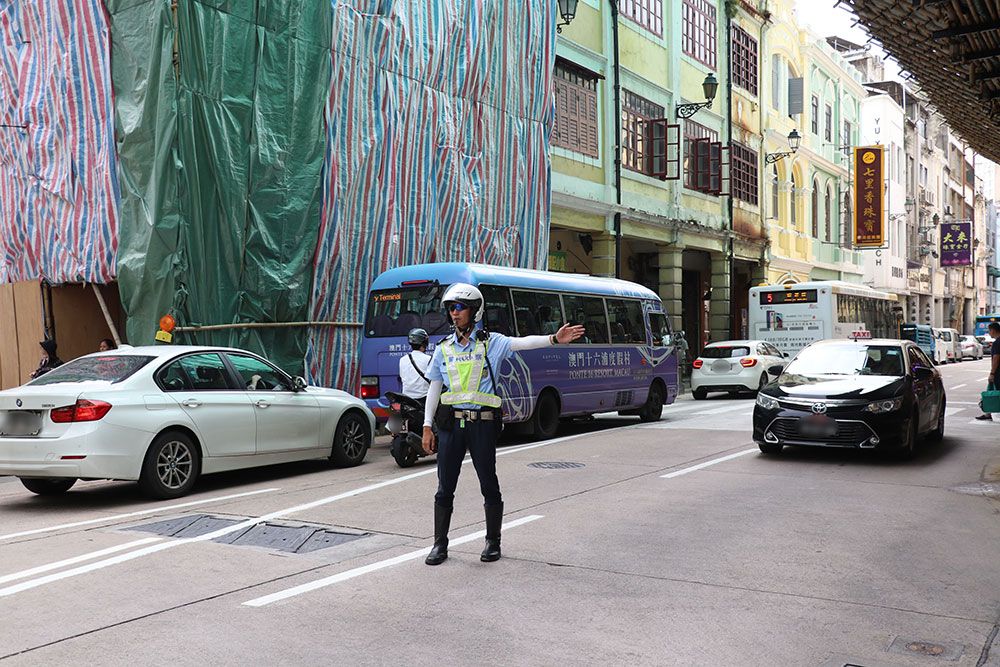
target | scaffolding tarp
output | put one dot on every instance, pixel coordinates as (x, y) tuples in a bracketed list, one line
[(439, 120), (58, 180), (222, 158)]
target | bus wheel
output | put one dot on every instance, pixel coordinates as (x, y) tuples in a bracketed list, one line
[(545, 421), (652, 409)]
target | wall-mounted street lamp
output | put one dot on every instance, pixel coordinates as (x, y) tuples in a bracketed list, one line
[(793, 142), (567, 9), (710, 86), (909, 209)]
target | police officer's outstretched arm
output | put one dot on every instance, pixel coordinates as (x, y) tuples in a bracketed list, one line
[(433, 396), (567, 334)]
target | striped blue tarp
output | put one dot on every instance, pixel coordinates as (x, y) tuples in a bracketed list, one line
[(439, 120), (58, 187)]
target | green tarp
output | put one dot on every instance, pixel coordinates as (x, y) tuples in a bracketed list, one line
[(221, 165)]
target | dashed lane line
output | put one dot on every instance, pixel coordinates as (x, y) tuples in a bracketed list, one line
[(373, 567), (77, 559)]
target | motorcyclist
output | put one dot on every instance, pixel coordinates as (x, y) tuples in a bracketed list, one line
[(413, 366)]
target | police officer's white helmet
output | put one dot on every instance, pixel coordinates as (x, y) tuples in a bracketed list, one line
[(466, 294)]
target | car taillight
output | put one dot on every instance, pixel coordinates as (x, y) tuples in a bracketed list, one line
[(747, 362), (369, 386), (82, 411), (697, 363)]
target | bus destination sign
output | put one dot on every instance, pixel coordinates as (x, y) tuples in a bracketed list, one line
[(788, 296)]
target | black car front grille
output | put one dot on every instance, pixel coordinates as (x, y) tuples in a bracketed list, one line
[(849, 433)]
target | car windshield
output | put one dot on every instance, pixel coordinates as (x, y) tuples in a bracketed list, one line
[(725, 352), (392, 313), (108, 368), (849, 359)]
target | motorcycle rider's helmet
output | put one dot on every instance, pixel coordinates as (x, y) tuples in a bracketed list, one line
[(468, 296), (417, 338)]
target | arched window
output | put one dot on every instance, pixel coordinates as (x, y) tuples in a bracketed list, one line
[(829, 217), (815, 209), (792, 201), (774, 191)]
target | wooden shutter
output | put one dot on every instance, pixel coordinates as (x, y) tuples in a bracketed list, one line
[(665, 149)]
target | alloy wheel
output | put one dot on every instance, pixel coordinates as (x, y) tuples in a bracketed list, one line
[(174, 464)]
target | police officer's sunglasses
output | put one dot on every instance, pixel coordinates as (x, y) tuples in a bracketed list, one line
[(456, 307)]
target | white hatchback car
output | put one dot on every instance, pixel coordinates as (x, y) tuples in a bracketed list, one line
[(734, 366), (972, 348), (164, 415)]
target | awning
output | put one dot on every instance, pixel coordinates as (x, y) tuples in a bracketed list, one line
[(952, 47)]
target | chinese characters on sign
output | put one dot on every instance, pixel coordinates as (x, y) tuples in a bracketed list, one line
[(869, 216), (956, 244)]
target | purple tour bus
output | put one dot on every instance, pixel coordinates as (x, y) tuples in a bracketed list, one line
[(626, 362)]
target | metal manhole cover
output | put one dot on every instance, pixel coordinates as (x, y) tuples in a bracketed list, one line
[(556, 465)]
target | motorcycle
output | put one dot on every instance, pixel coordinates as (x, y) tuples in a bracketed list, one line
[(406, 421)]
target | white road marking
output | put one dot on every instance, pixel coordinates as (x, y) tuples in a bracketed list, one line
[(949, 411), (957, 386), (963, 403), (684, 471), (250, 523), (117, 517), (77, 559), (358, 571), (719, 411)]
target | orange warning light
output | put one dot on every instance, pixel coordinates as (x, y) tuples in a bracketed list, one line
[(167, 323)]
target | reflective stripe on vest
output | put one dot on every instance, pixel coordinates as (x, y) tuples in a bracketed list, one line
[(471, 372)]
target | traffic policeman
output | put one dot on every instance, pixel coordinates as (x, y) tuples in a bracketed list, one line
[(462, 374)]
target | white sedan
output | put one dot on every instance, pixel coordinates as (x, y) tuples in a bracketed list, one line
[(972, 348), (165, 415), (734, 366)]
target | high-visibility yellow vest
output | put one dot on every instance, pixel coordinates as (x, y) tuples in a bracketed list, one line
[(464, 377)]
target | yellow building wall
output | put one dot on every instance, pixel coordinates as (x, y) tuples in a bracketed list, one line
[(570, 167)]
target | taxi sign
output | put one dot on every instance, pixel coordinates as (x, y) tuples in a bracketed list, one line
[(861, 334), (164, 336)]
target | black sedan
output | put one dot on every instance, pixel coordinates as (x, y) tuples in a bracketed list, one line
[(883, 394)]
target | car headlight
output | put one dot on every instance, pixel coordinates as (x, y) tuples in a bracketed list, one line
[(767, 402), (881, 407)]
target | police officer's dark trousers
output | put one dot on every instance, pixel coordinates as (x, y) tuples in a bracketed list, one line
[(478, 438)]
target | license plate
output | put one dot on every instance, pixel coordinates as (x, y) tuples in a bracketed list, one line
[(721, 366), (818, 426), (20, 423)]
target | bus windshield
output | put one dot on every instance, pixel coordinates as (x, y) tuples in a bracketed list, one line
[(394, 312)]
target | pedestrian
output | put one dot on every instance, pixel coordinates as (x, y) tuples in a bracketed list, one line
[(106, 345), (469, 418), (49, 360), (413, 367), (994, 330)]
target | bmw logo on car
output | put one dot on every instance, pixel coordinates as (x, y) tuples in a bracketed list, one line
[(19, 402)]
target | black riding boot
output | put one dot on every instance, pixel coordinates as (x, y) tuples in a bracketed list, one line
[(442, 520), (494, 518)]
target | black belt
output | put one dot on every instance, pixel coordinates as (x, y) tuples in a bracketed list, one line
[(473, 415)]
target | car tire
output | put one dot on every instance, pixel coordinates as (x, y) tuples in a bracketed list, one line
[(937, 435), (652, 409), (545, 418), (351, 440), (770, 449), (171, 466), (49, 486), (700, 394), (761, 384), (909, 448)]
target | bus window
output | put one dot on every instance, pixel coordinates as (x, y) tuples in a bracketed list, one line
[(659, 326), (626, 321), (394, 312), (498, 315), (537, 313), (588, 311)]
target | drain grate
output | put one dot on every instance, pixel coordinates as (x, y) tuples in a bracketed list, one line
[(281, 537), (556, 465)]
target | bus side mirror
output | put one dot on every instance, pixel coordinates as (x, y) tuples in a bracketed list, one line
[(666, 341)]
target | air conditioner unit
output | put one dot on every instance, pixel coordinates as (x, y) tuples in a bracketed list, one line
[(927, 197)]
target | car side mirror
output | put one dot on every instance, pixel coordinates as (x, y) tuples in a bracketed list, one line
[(776, 369), (923, 373), (784, 354), (299, 383)]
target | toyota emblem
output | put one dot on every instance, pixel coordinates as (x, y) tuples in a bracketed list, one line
[(19, 402), (819, 408)]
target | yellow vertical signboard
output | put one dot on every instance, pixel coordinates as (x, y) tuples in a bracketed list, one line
[(869, 197)]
